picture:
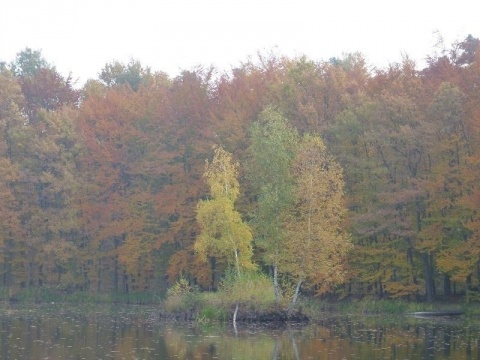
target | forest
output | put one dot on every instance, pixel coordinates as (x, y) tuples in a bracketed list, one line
[(102, 186)]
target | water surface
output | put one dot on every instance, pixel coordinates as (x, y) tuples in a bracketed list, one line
[(66, 332)]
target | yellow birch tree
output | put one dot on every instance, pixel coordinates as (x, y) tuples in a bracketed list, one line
[(223, 233), (317, 244)]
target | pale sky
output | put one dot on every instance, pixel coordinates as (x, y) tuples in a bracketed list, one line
[(81, 36)]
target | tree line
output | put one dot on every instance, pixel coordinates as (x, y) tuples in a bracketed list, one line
[(100, 185)]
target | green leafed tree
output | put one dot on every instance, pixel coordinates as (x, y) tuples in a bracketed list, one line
[(223, 234), (132, 74), (28, 63), (272, 150)]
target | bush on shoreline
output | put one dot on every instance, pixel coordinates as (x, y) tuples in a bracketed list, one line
[(253, 292)]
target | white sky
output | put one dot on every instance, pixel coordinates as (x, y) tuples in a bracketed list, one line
[(81, 36)]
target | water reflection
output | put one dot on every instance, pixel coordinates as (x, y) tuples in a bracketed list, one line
[(136, 333)]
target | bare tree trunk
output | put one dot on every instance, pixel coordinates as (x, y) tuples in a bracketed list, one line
[(236, 305), (235, 318), (237, 263), (295, 297)]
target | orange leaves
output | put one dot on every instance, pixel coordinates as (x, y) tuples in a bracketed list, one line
[(144, 153), (317, 244), (113, 182)]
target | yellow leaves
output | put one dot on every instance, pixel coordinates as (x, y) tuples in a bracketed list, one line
[(129, 253), (223, 234), (399, 289), (460, 259), (316, 246), (221, 175), (8, 171), (60, 250)]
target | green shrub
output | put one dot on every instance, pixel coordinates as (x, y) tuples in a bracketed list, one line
[(253, 290), (182, 297), (210, 313), (212, 299)]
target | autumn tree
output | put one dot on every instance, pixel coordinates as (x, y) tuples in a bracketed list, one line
[(11, 230), (240, 97), (223, 233), (406, 151), (118, 177), (310, 94), (380, 146), (43, 87), (317, 243), (186, 137), (42, 151)]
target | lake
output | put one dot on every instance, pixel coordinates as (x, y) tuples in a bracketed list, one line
[(90, 332)]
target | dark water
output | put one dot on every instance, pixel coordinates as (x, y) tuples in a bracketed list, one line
[(58, 332)]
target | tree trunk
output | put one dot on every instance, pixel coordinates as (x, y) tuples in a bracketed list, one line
[(29, 274), (447, 286), (116, 264), (99, 276), (412, 264), (429, 278), (213, 266), (275, 284), (237, 263), (478, 270), (235, 318), (295, 297)]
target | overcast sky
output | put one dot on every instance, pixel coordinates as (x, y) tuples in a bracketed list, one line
[(81, 36)]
